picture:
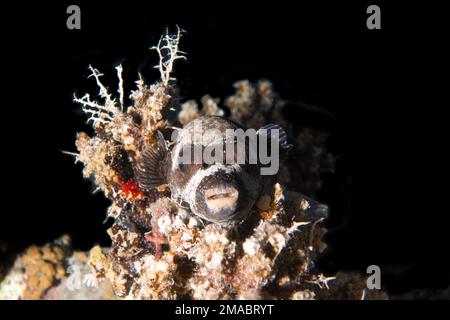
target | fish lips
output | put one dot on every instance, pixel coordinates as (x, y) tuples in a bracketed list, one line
[(220, 198)]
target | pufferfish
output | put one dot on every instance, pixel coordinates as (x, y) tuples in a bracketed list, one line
[(222, 192)]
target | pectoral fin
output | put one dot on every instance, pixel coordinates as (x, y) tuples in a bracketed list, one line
[(149, 168)]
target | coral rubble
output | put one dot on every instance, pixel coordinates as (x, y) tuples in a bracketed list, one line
[(53, 271), (160, 250)]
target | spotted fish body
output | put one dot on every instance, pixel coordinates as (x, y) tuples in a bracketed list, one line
[(221, 193)]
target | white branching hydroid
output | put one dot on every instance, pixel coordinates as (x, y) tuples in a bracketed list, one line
[(168, 52), (101, 113), (106, 112), (120, 90)]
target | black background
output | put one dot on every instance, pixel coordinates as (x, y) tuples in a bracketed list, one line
[(382, 86)]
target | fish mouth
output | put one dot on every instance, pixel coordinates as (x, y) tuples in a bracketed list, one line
[(221, 193), (218, 199), (221, 198)]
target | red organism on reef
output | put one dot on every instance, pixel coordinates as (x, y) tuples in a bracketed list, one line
[(130, 190)]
